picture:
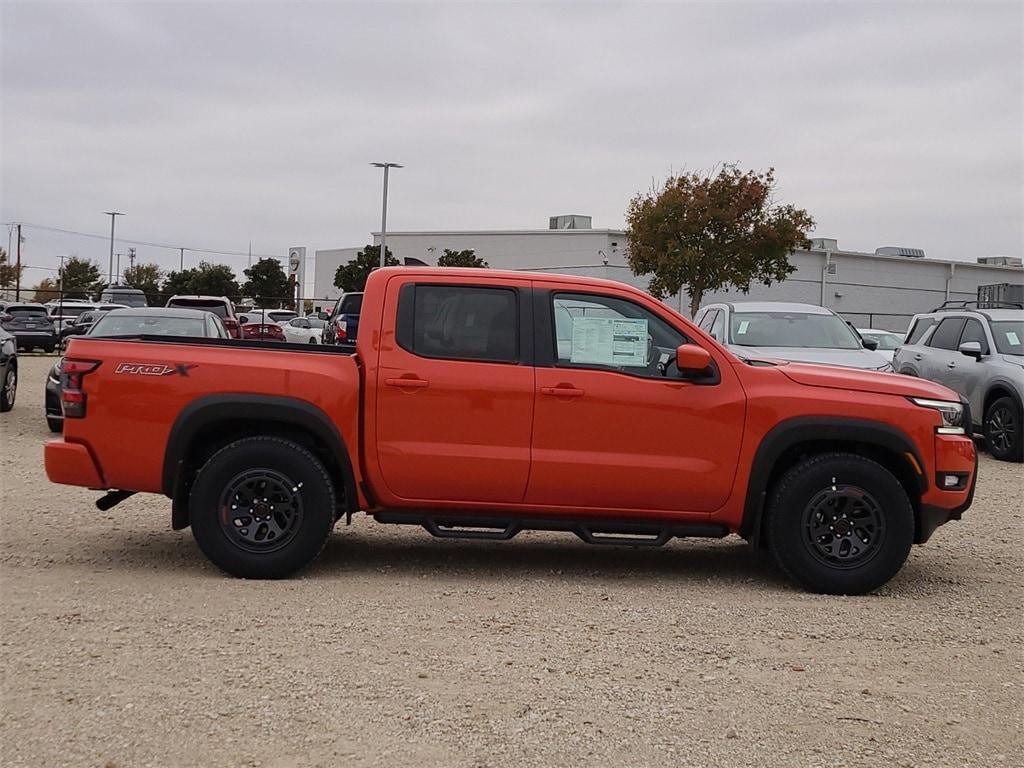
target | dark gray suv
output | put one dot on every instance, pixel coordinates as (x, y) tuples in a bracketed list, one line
[(980, 354)]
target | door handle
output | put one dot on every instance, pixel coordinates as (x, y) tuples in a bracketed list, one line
[(951, 365), (918, 357), (561, 391), (409, 383)]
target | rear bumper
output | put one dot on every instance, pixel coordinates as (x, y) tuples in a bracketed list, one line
[(34, 338), (71, 464)]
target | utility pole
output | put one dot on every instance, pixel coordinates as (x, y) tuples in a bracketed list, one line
[(17, 270), (384, 209), (131, 258), (117, 270), (110, 267), (181, 259), (60, 294)]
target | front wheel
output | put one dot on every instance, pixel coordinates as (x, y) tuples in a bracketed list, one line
[(840, 524), (55, 424), (312, 339), (9, 389), (1003, 430), (262, 508)]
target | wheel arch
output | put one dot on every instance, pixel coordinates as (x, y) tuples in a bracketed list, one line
[(208, 423), (996, 390), (788, 442)]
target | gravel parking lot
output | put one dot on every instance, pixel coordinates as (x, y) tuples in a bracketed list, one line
[(122, 646)]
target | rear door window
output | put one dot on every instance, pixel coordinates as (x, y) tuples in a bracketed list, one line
[(460, 322), (947, 335)]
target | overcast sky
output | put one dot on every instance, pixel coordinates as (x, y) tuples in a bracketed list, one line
[(213, 124)]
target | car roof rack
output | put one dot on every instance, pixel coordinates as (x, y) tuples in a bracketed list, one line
[(949, 306)]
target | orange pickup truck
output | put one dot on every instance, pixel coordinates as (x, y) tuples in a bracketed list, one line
[(479, 403)]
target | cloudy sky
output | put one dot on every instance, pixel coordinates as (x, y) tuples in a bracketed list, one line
[(213, 124)]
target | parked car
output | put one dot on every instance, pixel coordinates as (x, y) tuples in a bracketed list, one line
[(459, 413), (343, 321), (980, 354), (254, 330), (271, 315), (219, 305), (131, 322), (64, 314), (8, 370), (31, 326), (787, 331), (117, 293), (304, 330), (886, 341)]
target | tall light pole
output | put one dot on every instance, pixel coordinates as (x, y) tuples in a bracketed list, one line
[(384, 209), (110, 269)]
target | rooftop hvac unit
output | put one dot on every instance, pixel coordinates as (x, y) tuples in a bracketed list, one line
[(898, 250), (1001, 261), (572, 221)]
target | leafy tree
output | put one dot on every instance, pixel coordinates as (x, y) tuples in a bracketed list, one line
[(177, 283), (466, 258), (46, 290), (145, 277), (267, 283), (214, 280), (711, 231), (352, 276), (8, 272), (82, 278)]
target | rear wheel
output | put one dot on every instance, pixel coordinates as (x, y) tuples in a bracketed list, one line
[(1003, 430), (9, 389), (840, 523), (262, 508)]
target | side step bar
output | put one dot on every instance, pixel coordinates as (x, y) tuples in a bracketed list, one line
[(590, 531)]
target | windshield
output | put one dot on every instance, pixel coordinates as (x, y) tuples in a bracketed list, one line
[(278, 317), (791, 329), (1009, 336), (153, 325), (885, 341), (219, 308)]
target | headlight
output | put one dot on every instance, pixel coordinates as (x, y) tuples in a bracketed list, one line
[(952, 414)]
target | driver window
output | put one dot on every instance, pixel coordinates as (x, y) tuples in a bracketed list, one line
[(604, 332)]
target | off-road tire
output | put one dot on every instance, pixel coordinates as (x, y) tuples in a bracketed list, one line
[(1003, 430), (799, 511), (212, 520)]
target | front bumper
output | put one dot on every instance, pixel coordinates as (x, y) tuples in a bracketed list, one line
[(953, 455)]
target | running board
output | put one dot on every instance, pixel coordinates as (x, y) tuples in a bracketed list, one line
[(590, 531)]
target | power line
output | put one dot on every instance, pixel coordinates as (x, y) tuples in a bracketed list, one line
[(151, 244)]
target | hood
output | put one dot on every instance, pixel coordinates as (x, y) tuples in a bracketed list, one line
[(866, 381), (849, 358)]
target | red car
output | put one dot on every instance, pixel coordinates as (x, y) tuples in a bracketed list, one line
[(263, 331), (480, 403)]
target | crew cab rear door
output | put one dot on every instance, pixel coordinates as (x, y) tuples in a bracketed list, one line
[(455, 391), (615, 427)]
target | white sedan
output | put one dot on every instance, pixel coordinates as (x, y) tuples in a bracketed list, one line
[(304, 330)]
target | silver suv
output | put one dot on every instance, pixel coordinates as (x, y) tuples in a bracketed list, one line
[(980, 354)]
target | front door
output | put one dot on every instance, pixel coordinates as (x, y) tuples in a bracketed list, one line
[(615, 427), (454, 407)]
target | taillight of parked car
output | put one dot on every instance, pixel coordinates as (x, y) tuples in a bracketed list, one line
[(72, 396), (231, 326), (342, 326)]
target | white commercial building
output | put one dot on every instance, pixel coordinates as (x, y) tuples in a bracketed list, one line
[(882, 289)]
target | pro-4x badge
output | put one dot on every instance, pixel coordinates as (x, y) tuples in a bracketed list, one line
[(154, 369)]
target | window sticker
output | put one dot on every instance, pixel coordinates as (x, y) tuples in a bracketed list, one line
[(744, 324), (1013, 338), (608, 341)]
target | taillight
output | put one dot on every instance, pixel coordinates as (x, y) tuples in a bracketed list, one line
[(71, 396), (342, 329)]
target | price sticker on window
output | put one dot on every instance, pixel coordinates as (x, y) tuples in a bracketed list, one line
[(609, 341)]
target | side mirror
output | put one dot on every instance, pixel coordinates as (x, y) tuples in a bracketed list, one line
[(971, 349), (692, 359), (871, 344)]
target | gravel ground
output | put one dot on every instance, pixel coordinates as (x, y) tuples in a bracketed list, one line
[(122, 646)]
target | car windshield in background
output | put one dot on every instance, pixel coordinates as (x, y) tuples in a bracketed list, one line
[(792, 329), (281, 317), (27, 312), (886, 341), (151, 325), (1009, 336), (219, 308)]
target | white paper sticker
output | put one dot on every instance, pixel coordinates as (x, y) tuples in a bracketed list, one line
[(743, 326), (609, 341), (1013, 338)]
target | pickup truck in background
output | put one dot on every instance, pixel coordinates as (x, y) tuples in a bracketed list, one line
[(479, 403), (343, 323)]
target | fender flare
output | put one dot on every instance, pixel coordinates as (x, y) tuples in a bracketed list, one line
[(259, 409), (807, 429), (1003, 385)]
